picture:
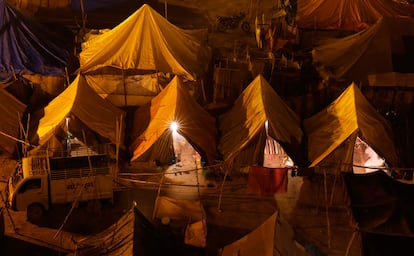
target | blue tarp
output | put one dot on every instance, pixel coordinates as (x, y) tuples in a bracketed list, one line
[(28, 46), (91, 5)]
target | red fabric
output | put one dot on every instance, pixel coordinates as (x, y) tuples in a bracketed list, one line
[(268, 181)]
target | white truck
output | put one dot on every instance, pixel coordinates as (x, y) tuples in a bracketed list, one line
[(41, 181)]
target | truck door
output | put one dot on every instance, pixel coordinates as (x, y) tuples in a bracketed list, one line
[(30, 192)]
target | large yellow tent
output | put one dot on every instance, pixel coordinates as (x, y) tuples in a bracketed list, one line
[(79, 102), (12, 111), (147, 41), (144, 43), (242, 128), (332, 132), (152, 136)]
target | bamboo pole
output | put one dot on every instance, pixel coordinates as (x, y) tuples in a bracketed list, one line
[(67, 77), (166, 9), (348, 248), (328, 223), (13, 138), (222, 186), (82, 5), (154, 212), (124, 84)]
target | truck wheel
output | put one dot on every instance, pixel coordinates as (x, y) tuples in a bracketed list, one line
[(35, 213)]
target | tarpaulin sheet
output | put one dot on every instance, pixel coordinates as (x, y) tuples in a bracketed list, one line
[(28, 47)]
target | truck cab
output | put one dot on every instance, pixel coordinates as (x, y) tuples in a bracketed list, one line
[(39, 181)]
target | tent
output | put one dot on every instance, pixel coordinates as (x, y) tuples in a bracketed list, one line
[(384, 48), (78, 109), (243, 127), (260, 241), (132, 234), (144, 43), (12, 111), (351, 15), (332, 133), (28, 47), (151, 134), (35, 53)]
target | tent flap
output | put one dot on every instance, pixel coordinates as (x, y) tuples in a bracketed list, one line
[(338, 125)]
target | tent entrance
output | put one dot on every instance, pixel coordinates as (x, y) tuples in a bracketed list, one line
[(365, 159), (274, 155), (185, 154)]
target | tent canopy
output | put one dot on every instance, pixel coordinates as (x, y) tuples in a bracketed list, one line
[(82, 102), (151, 125), (147, 42), (12, 111), (28, 47), (384, 47), (132, 234), (351, 15), (332, 132), (243, 126)]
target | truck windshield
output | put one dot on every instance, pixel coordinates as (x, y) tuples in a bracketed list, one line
[(17, 175)]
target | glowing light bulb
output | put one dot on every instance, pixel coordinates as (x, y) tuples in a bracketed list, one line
[(174, 126)]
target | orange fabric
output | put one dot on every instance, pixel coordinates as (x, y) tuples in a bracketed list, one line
[(352, 15)]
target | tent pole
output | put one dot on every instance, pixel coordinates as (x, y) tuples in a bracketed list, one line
[(154, 212), (348, 248), (67, 77), (199, 198), (166, 9), (82, 5), (333, 188), (14, 72), (222, 187), (13, 138), (118, 142), (328, 224), (221, 191), (124, 84), (203, 90)]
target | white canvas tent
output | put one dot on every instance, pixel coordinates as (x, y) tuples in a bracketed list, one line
[(83, 107), (333, 132), (144, 43)]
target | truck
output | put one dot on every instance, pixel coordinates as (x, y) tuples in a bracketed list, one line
[(40, 181)]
